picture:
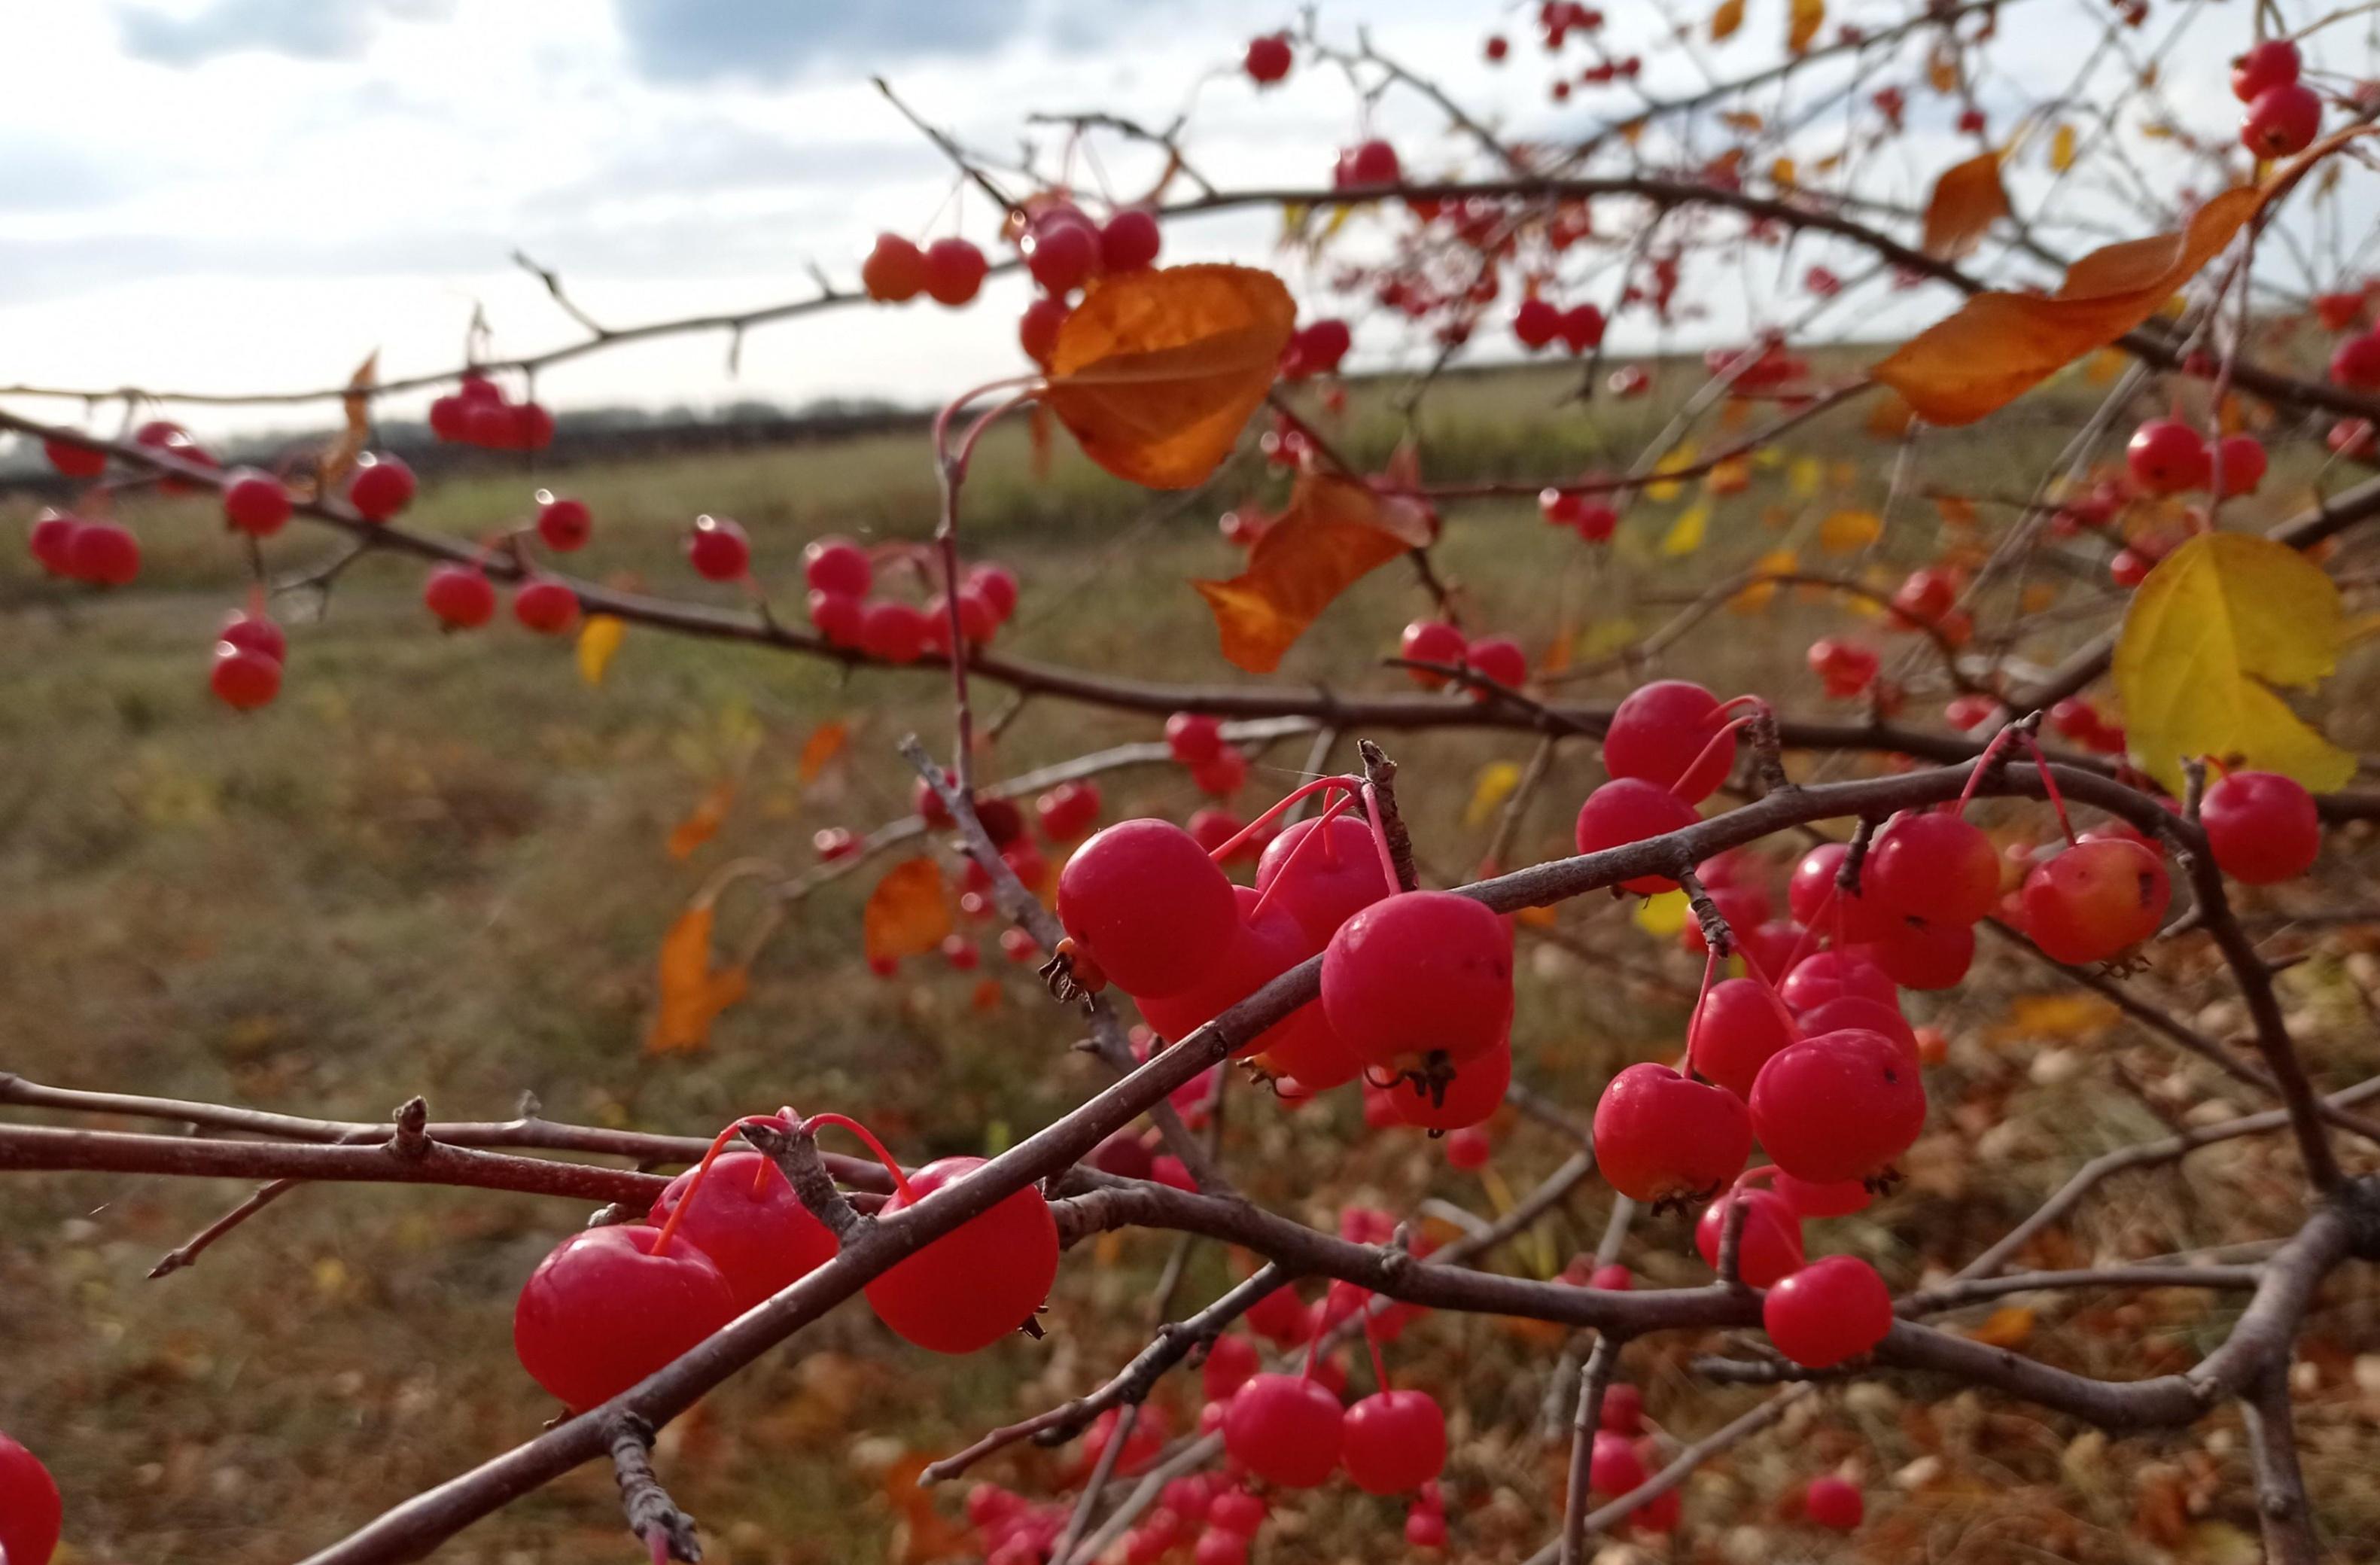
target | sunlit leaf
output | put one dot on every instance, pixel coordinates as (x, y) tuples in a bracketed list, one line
[(691, 994), (907, 913), (1678, 460), (1849, 531), (1663, 915), (2217, 624), (1494, 785), (826, 742), (2061, 149), (1686, 534), (1726, 19), (1803, 23), (703, 821), (1967, 199), (599, 638), (1329, 537), (1156, 371)]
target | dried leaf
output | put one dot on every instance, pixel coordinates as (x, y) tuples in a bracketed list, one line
[(1726, 19), (1967, 199), (1849, 531), (340, 454), (1331, 536), (692, 996), (2033, 1017), (703, 821), (1156, 371), (826, 742), (2007, 1327), (2219, 622), (907, 913), (1806, 18), (1497, 780), (2061, 148), (598, 640)]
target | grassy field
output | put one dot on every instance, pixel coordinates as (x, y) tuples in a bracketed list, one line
[(437, 865)]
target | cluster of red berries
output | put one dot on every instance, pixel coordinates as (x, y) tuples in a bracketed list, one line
[(1316, 349), (94, 553), (1845, 668), (1589, 516), (1770, 366), (2283, 114), (31, 1511), (2167, 457), (839, 575), (612, 1304), (1496, 658), (949, 271), (1538, 321), (1064, 249), (477, 413)]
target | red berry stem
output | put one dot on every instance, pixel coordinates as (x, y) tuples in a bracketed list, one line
[(1722, 740), (1346, 784), (891, 1165), (1982, 766), (2049, 787), (1372, 1341), (1321, 829), (1694, 1017), (1380, 835)]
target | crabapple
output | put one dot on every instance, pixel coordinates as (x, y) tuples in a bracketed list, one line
[(1432, 641), (255, 503), (1129, 240), (1417, 974), (1475, 1092), (1830, 1310), (1192, 738), (1147, 905), (461, 596), (954, 270), (103, 554), (1934, 865), (894, 271), (2282, 121), (893, 631), (1070, 809), (1267, 58), (29, 1507), (1842, 1105), (1284, 1428), (2167, 457), (50, 540), (1629, 809), (1328, 882), (717, 548), (1736, 1030), (1391, 1442), (1921, 955), (74, 461), (744, 1216), (2096, 900), (2273, 63), (1663, 729), (608, 1307), (381, 488), (255, 632), (1497, 658), (837, 564), (546, 606), (243, 679), (976, 1283), (1771, 1247), (2263, 827), (1659, 1136), (564, 523)]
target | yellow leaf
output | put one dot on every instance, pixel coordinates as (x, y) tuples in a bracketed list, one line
[(1663, 915), (1848, 531), (1726, 19), (2061, 149), (2007, 1327), (1758, 595), (1731, 476), (2032, 1017), (1329, 537), (1605, 637), (1804, 20), (1156, 371), (598, 640), (1967, 199), (703, 821), (1496, 781), (1889, 417), (2102, 368), (1677, 461), (1783, 174), (691, 995), (356, 432), (2219, 622), (908, 913), (826, 742), (1686, 535), (1804, 478)]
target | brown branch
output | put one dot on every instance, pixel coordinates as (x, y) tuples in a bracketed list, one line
[(653, 1517), (2281, 1503), (1593, 1381), (1680, 1468), (1381, 773)]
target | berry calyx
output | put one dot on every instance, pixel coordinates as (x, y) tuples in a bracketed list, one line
[(2263, 827), (976, 1283), (1830, 1311), (609, 1307), (1470, 1096), (1660, 1136)]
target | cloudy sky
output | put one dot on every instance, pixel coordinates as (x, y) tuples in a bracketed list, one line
[(252, 194)]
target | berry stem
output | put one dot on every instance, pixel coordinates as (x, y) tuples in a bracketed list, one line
[(1982, 766), (900, 1179), (1725, 736), (1380, 834), (1694, 1017), (1346, 784), (701, 1172), (1337, 807), (1372, 1341), (2049, 787)]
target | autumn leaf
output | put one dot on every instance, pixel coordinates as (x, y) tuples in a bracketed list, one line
[(599, 638), (2007, 1327), (1663, 915), (2217, 624), (2033, 1017), (703, 821), (826, 742), (1334, 532), (1804, 23), (907, 913), (1726, 19), (1967, 199), (2061, 148), (1849, 531), (1156, 371), (1686, 534), (340, 454), (1494, 785), (692, 995)]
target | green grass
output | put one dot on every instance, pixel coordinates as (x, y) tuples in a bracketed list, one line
[(437, 866)]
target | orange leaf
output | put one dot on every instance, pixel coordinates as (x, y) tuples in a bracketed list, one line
[(342, 453), (907, 913), (1329, 537), (2007, 1327), (1156, 371), (1998, 346), (1966, 202), (1806, 18), (825, 743), (1726, 19), (692, 996), (703, 821)]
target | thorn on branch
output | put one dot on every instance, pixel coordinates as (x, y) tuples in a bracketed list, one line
[(653, 1517), (411, 1141), (1768, 752)]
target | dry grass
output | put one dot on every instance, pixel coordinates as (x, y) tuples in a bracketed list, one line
[(437, 866)]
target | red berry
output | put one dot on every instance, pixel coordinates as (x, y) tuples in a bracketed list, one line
[(954, 270), (459, 595), (2274, 63), (1130, 240), (1770, 1248), (1535, 323), (489, 424), (2167, 457), (1267, 58), (893, 631), (1325, 883), (746, 1217), (255, 503), (2263, 827), (830, 842), (1475, 1092), (564, 523), (2243, 464), (1623, 1405), (1965, 713), (1817, 902), (607, 1309), (1469, 1149), (1061, 255), (1922, 955), (242, 679), (50, 540), (1321, 345), (103, 554), (838, 617), (1833, 1502), (1417, 974), (1841, 1105), (1659, 1137), (1192, 738), (1662, 729), (2356, 362), (1036, 329), (1285, 1429), (2282, 122), (1393, 1441), (449, 419), (1926, 595), (1070, 809), (1215, 1546), (1222, 773), (168, 438), (1148, 906), (1845, 669), (717, 548), (1581, 328), (894, 271), (74, 461), (1613, 1466), (1367, 164), (1212, 827), (1629, 809), (837, 564), (1830, 1310), (29, 1509), (1140, 1447), (255, 632), (1838, 1198), (546, 606), (976, 1283), (1431, 641), (381, 488), (1425, 1529), (1860, 1011), (1935, 867), (1279, 1317), (1231, 1364), (1737, 1029), (1497, 658), (2096, 900)]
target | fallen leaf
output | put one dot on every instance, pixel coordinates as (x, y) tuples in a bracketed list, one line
[(2061, 149), (703, 821), (1849, 531), (1804, 23), (599, 638), (1967, 199), (692, 995), (1156, 371), (1496, 781), (2033, 1017), (907, 913), (1686, 534), (1726, 19), (2007, 1327), (2219, 622), (826, 742), (1329, 537)]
